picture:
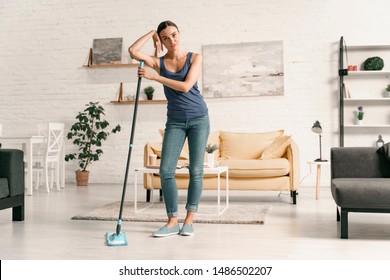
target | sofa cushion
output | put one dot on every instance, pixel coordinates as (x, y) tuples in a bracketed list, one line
[(278, 148), (361, 192), (4, 190), (236, 145), (256, 168)]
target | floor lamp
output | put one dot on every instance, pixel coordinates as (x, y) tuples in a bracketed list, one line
[(318, 130)]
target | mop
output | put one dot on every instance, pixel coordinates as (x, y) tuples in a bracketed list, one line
[(118, 238)]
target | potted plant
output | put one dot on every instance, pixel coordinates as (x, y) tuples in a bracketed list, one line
[(360, 114), (387, 91), (88, 133), (210, 149), (149, 92), (373, 63)]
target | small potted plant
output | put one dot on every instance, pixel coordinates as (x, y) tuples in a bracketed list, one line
[(210, 149), (359, 114), (149, 92), (88, 133), (387, 91)]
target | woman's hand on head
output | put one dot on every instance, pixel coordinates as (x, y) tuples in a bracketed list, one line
[(157, 43)]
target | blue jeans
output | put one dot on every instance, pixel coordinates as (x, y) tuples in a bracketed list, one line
[(197, 131)]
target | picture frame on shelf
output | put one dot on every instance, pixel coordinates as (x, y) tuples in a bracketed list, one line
[(107, 51)]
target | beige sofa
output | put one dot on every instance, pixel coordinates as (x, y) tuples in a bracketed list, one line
[(264, 161)]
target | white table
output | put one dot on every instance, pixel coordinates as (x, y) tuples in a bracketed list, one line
[(210, 171), (27, 143), (319, 164)]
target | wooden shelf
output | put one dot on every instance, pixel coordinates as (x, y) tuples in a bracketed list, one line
[(140, 101), (368, 73), (366, 99), (367, 126), (113, 65), (368, 47)]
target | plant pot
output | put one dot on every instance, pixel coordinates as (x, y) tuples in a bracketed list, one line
[(149, 96), (359, 122), (210, 160), (82, 178)]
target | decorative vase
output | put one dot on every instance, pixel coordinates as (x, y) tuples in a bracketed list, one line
[(211, 160), (82, 178)]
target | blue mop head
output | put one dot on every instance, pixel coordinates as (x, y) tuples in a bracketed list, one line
[(114, 239)]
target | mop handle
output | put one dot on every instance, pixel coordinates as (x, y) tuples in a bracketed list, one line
[(118, 227)]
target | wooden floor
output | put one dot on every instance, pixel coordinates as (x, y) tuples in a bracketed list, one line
[(304, 231)]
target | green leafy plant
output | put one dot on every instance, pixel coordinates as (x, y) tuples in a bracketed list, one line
[(360, 113), (149, 92), (373, 63), (211, 148), (388, 88), (88, 133)]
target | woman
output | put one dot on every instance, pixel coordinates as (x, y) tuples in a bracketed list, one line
[(178, 71)]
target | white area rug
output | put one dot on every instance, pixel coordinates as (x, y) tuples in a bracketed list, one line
[(236, 213)]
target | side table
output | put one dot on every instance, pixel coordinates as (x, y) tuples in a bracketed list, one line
[(318, 164), (214, 171)]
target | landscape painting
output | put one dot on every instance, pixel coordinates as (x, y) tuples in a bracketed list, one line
[(243, 69)]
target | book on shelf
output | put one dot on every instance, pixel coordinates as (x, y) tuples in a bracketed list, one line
[(347, 92)]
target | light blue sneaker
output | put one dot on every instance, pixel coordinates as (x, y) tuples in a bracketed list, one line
[(187, 230), (165, 231)]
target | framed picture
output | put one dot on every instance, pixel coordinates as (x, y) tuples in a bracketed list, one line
[(107, 51), (243, 69)]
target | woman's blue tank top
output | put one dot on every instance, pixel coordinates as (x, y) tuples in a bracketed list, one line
[(183, 105)]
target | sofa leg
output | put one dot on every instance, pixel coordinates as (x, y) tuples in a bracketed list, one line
[(294, 196), (147, 195), (344, 224), (337, 214), (18, 213)]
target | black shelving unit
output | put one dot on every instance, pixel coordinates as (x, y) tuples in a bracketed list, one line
[(342, 72), (382, 50)]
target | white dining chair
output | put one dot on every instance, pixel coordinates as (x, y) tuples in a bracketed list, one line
[(50, 159)]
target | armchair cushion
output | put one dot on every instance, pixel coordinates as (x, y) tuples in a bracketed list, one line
[(4, 190), (12, 182), (12, 168), (372, 193)]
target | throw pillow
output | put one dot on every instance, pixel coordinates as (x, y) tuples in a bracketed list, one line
[(246, 145), (277, 149), (385, 151)]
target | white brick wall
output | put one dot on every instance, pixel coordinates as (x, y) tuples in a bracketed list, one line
[(43, 45)]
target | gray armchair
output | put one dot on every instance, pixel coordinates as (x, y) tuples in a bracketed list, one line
[(360, 182), (12, 182)]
